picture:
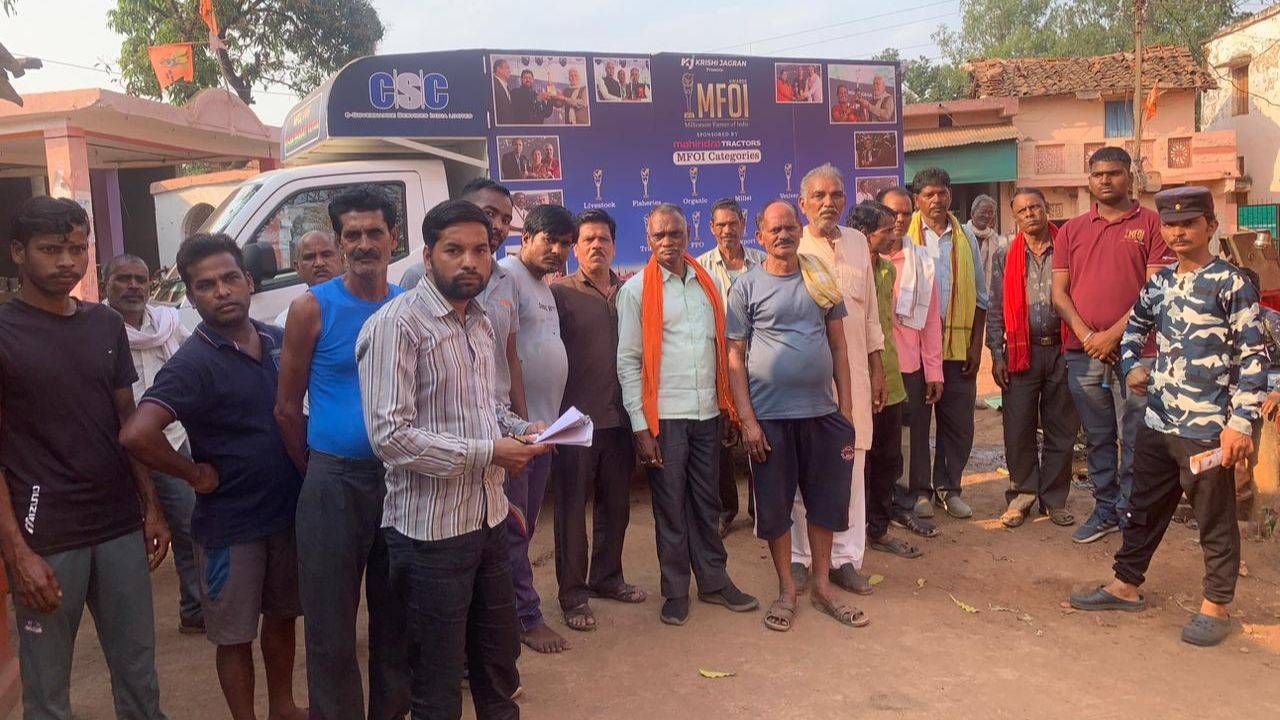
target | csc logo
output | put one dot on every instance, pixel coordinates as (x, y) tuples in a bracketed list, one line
[(408, 91)]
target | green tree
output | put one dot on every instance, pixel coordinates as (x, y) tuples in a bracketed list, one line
[(293, 43), (927, 80), (1065, 28)]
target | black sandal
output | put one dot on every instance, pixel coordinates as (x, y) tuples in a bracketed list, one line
[(909, 521), (580, 613)]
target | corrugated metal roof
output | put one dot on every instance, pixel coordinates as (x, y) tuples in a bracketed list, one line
[(955, 136)]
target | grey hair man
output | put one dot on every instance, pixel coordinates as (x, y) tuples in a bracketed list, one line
[(982, 226)]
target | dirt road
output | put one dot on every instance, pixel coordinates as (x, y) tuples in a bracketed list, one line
[(1020, 656)]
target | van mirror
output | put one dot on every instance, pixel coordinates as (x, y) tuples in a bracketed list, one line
[(260, 263)]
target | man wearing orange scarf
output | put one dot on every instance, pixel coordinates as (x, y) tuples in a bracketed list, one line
[(1024, 333), (673, 368)]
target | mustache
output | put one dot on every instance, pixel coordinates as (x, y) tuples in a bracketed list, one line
[(366, 255)]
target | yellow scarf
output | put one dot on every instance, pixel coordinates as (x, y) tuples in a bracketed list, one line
[(957, 326), (819, 281)]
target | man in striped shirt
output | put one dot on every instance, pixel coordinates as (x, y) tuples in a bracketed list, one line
[(426, 363)]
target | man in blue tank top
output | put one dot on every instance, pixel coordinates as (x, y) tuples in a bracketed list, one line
[(340, 508)]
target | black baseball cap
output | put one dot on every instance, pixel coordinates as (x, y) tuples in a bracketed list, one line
[(1184, 203)]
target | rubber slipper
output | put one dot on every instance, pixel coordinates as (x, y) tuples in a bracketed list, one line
[(894, 546), (1100, 599), (575, 613), (779, 616), (1206, 630), (844, 614)]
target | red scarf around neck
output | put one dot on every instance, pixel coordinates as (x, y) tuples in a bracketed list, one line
[(1017, 311)]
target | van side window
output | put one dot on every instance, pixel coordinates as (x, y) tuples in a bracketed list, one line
[(306, 211)]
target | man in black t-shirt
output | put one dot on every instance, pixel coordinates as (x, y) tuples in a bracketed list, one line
[(79, 522)]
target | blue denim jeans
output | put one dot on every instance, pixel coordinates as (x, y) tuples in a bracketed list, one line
[(1110, 417)]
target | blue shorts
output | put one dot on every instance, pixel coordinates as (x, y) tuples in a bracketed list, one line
[(814, 456)]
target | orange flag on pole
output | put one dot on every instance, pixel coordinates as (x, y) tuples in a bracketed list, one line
[(206, 14), (172, 63), (1150, 104)]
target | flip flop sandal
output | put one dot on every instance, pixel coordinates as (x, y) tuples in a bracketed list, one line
[(844, 614), (577, 613), (779, 616), (894, 546), (1206, 630), (629, 594), (912, 523), (1100, 599)]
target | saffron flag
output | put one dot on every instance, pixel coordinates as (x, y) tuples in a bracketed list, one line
[(211, 20), (1150, 104), (172, 63), (206, 14)]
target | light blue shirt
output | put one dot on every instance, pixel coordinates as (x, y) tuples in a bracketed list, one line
[(687, 383), (939, 247)]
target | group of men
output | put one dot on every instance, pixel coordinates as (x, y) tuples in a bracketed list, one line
[(616, 84), (524, 104), (387, 439), (798, 84)]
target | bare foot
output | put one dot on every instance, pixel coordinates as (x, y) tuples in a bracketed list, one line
[(1123, 590), (294, 713), (1213, 609), (544, 640)]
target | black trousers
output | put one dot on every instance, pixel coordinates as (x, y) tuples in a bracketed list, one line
[(686, 507), (605, 469), (1161, 473), (462, 609), (954, 441), (1039, 397), (883, 468), (729, 483)]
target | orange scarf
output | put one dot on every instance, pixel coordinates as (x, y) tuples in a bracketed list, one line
[(651, 340)]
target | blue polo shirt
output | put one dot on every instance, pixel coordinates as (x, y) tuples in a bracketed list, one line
[(226, 401)]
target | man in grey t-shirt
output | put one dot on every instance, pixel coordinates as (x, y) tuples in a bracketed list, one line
[(549, 233), (786, 345)]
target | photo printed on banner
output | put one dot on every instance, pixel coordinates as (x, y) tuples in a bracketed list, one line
[(875, 149), (540, 90), (862, 93), (797, 83), (622, 79), (522, 201), (866, 188), (529, 157)]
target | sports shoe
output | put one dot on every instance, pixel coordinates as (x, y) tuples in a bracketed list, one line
[(923, 509), (731, 597), (954, 506), (675, 611), (1093, 530), (191, 626)]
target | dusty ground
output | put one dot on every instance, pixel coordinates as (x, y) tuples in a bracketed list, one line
[(1020, 656)]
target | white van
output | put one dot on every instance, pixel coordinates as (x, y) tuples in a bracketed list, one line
[(269, 212)]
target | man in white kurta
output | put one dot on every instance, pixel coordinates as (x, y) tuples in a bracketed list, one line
[(845, 251)]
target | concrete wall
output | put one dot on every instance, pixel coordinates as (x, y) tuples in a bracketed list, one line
[(172, 207), (1067, 119), (1258, 131)]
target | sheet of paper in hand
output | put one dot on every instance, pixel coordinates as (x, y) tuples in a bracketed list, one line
[(571, 428), (1207, 460)]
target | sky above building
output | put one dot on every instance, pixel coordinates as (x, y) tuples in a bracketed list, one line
[(81, 51)]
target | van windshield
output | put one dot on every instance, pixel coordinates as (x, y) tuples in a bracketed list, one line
[(228, 208)]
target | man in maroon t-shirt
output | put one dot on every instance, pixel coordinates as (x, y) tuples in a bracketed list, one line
[(1101, 260)]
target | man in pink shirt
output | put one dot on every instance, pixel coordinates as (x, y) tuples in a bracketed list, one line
[(918, 337), (1101, 260), (846, 253)]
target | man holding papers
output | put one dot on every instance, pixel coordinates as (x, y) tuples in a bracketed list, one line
[(588, 312), (673, 368), (427, 370)]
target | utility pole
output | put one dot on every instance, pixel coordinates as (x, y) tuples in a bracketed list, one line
[(1139, 16)]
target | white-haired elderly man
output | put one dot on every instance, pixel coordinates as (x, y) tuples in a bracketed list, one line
[(848, 256), (982, 226)]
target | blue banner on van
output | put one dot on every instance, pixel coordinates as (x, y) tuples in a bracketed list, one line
[(621, 132)]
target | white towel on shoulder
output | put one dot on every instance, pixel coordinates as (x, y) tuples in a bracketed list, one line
[(915, 289)]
